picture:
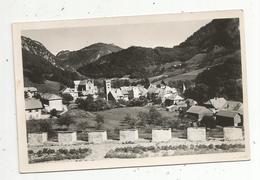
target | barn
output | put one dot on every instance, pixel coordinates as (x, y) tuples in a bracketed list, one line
[(52, 101), (226, 118), (33, 108), (198, 112)]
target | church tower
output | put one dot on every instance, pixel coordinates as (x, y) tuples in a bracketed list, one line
[(107, 87)]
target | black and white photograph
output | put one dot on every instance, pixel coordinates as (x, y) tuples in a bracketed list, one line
[(131, 91)]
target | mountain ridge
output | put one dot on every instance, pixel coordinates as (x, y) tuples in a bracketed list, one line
[(219, 38)]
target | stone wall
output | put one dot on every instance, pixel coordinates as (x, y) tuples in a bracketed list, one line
[(67, 137), (233, 133), (36, 139), (159, 135), (196, 134), (128, 135), (97, 137)]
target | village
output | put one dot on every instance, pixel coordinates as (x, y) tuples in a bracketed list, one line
[(40, 105), (205, 124)]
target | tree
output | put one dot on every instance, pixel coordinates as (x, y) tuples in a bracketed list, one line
[(146, 83), (155, 116), (208, 122), (143, 117), (26, 95), (199, 93), (66, 97), (54, 113), (82, 125), (132, 122), (65, 121), (99, 121)]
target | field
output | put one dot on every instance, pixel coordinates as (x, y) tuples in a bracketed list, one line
[(47, 87), (114, 118)]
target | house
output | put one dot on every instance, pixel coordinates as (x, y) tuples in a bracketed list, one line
[(52, 101), (33, 108), (234, 106), (115, 94), (30, 91), (70, 91), (191, 102), (153, 90), (85, 87), (125, 94), (170, 99), (176, 107), (138, 91), (226, 118), (216, 103), (198, 112)]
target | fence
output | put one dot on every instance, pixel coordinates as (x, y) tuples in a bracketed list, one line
[(132, 135)]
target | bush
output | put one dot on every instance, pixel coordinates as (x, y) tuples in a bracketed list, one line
[(65, 121), (54, 113), (99, 121), (66, 98), (60, 154), (30, 152), (208, 122), (89, 104)]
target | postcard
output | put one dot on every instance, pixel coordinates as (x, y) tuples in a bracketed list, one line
[(131, 91)]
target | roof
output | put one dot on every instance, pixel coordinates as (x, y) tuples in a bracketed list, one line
[(191, 102), (31, 103), (142, 90), (217, 103), (234, 105), (168, 89), (66, 90), (116, 92), (85, 81), (124, 91), (49, 96), (153, 89), (227, 113), (199, 110), (32, 89)]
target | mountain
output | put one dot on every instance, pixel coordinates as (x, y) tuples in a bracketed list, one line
[(211, 45), (38, 49), (76, 59), (40, 65)]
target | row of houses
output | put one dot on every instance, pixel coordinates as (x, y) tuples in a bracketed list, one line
[(40, 107), (226, 113), (83, 88)]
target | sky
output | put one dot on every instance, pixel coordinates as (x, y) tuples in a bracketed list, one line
[(165, 34)]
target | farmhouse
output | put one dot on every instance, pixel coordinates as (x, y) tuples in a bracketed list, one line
[(191, 102), (199, 112), (52, 101), (216, 103), (234, 106), (176, 107), (33, 108), (30, 91), (226, 118)]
